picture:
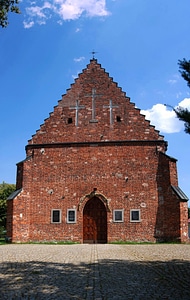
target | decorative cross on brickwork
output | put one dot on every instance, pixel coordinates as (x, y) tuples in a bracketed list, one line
[(111, 106), (77, 108), (94, 95)]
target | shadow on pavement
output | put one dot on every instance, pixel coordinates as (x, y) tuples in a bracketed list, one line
[(108, 279)]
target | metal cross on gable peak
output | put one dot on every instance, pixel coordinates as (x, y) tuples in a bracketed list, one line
[(93, 52)]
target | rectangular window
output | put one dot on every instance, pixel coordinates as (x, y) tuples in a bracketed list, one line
[(71, 216), (56, 216), (135, 215), (118, 215)]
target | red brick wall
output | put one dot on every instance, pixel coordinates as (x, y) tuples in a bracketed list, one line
[(71, 173), (183, 221)]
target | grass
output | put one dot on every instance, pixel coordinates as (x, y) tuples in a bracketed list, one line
[(131, 243), (142, 243), (2, 241), (47, 243), (53, 243)]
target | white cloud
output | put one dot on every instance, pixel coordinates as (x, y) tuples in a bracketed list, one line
[(178, 95), (79, 59), (185, 103), (60, 22), (28, 24), (35, 11), (164, 118), (66, 9), (174, 79), (74, 76)]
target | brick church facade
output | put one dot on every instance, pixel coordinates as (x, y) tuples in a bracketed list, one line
[(96, 172)]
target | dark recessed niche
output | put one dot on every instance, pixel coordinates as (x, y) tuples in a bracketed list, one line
[(69, 121)]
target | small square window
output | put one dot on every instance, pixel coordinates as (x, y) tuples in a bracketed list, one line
[(56, 216), (118, 118), (135, 215), (71, 216), (118, 215)]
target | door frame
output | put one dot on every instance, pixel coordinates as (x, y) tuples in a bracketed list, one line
[(106, 224)]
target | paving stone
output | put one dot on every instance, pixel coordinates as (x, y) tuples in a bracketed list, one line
[(97, 272)]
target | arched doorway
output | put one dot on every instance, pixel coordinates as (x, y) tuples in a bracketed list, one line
[(94, 222)]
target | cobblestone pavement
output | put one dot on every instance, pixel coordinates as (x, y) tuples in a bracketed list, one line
[(72, 272)]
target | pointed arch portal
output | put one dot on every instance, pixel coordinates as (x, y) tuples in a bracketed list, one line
[(94, 221)]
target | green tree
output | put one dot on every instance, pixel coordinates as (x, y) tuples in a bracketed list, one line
[(7, 6), (5, 190), (183, 114), (184, 69)]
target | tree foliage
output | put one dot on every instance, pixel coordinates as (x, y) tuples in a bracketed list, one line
[(7, 6), (184, 69), (183, 114), (5, 190)]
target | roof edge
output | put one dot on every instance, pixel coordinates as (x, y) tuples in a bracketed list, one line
[(22, 161), (170, 157), (14, 194), (179, 193)]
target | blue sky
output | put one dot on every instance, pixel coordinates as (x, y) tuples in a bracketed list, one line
[(137, 42)]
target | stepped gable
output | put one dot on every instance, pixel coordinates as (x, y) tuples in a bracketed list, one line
[(95, 109)]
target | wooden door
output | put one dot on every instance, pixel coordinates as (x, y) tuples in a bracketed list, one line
[(94, 222)]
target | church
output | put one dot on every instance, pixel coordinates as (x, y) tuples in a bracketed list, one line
[(96, 171)]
